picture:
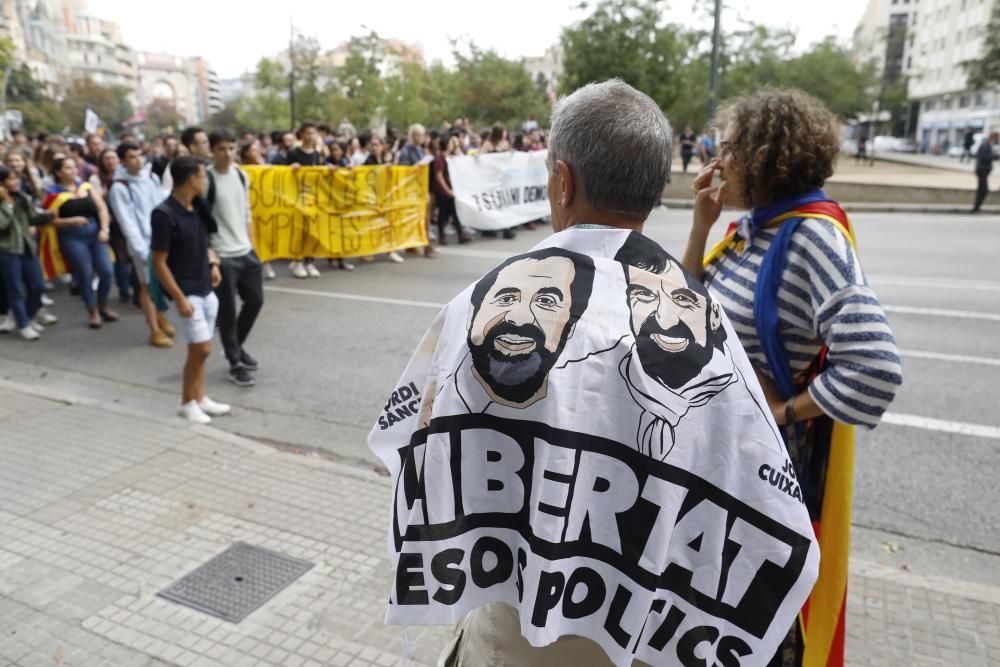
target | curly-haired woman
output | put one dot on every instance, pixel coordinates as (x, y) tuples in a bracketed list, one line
[(788, 275)]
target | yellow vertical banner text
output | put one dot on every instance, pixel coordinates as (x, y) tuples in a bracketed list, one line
[(328, 212)]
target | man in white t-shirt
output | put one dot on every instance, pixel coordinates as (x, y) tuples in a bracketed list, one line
[(242, 275)]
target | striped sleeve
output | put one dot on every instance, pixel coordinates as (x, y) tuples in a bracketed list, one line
[(864, 371)]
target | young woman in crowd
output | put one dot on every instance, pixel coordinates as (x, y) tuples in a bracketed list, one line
[(251, 153), (789, 277), (107, 165), (338, 154), (444, 196), (21, 273), (83, 227), (496, 141), (30, 185), (377, 152)]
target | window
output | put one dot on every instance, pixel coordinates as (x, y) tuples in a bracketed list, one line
[(980, 100), (909, 62), (963, 101)]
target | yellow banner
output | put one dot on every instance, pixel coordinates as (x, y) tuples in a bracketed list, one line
[(327, 212)]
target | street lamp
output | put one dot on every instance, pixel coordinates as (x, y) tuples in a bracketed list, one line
[(713, 99)]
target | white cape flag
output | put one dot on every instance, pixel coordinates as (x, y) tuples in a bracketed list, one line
[(581, 436)]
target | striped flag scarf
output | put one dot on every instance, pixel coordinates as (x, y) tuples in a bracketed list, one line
[(822, 620)]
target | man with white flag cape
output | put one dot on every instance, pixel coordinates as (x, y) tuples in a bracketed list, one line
[(582, 470)]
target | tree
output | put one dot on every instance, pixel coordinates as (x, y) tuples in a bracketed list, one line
[(407, 92), (39, 112), (827, 72), (493, 88), (984, 71), (109, 102), (162, 115), (310, 102), (268, 108), (629, 40), (360, 81)]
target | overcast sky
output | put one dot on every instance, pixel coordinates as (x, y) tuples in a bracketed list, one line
[(233, 35)]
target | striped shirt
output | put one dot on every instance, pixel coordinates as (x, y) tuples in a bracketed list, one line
[(824, 299)]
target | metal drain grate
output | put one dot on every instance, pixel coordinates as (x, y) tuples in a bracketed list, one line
[(236, 582)]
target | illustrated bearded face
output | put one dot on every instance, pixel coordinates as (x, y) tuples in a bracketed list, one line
[(521, 326), (676, 328)]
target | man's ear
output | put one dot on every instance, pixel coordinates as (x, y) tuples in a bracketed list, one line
[(572, 330), (567, 184), (472, 314), (716, 319)]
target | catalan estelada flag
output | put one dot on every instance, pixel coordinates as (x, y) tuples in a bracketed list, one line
[(822, 620)]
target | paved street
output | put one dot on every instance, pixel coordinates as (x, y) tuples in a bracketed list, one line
[(925, 530)]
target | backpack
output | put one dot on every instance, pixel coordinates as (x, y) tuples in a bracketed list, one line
[(210, 195)]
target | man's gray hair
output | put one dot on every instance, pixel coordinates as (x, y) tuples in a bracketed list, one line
[(618, 144)]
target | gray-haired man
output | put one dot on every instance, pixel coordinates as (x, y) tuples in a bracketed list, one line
[(609, 157)]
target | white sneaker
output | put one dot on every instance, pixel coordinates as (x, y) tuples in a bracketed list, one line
[(210, 407), (268, 272), (37, 326), (7, 325), (193, 412), (312, 271), (298, 269), (396, 257), (45, 317), (46, 301), (29, 333)]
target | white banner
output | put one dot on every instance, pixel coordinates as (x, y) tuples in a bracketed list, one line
[(580, 435), (500, 190)]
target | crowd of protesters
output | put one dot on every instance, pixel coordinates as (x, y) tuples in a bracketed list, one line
[(93, 218)]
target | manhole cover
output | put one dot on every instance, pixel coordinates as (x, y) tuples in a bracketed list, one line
[(236, 582)]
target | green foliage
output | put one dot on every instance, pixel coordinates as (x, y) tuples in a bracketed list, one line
[(671, 64), (268, 108), (361, 85), (628, 39), (110, 103), (310, 102), (375, 86), (827, 72), (39, 112), (491, 88), (984, 71)]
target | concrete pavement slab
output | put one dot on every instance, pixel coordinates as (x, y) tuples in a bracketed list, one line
[(144, 500)]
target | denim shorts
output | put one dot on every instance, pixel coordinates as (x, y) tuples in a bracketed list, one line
[(200, 327)]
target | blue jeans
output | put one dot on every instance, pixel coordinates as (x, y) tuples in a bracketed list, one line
[(88, 256), (23, 284)]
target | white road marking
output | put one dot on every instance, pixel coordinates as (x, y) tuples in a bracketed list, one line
[(954, 358), (937, 283), (878, 279), (355, 297), (942, 425), (942, 312), (484, 254)]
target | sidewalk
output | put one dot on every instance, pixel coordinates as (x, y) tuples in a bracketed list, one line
[(100, 510)]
